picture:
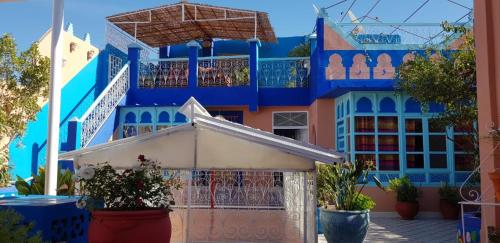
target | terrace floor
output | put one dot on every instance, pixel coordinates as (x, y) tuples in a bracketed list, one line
[(415, 231)]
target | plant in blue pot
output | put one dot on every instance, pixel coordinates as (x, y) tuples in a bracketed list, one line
[(345, 211)]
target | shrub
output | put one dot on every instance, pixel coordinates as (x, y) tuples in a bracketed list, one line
[(12, 228), (65, 184)]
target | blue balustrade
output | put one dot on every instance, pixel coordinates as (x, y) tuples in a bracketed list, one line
[(292, 72)]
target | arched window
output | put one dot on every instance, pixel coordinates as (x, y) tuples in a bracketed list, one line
[(164, 117), (412, 106), (364, 105), (387, 105), (179, 117), (130, 117), (146, 117)]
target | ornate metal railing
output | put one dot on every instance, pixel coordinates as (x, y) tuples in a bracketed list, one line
[(104, 105), (291, 72), (224, 71), (164, 73)]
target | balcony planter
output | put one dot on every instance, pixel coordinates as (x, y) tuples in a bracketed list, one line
[(130, 226), (407, 210), (344, 226), (495, 179)]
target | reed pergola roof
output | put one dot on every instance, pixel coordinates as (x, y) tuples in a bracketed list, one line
[(182, 22)]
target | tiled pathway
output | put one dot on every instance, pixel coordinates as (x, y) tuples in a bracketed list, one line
[(415, 231)]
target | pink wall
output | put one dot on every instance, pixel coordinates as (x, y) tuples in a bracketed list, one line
[(333, 41), (487, 34), (428, 201), (321, 115)]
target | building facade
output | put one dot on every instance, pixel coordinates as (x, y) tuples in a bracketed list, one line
[(341, 95)]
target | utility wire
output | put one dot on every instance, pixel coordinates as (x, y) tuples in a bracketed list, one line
[(412, 14), (335, 4), (459, 4), (366, 14), (442, 31), (349, 9)]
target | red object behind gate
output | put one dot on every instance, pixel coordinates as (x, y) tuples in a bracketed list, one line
[(130, 226)]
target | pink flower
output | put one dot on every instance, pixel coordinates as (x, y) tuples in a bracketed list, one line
[(141, 158)]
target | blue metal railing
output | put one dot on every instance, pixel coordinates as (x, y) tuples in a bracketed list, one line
[(290, 72)]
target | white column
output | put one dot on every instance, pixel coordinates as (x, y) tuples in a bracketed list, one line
[(56, 52)]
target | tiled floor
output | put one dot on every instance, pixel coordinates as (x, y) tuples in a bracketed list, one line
[(415, 231)]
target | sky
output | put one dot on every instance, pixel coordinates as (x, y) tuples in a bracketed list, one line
[(27, 20)]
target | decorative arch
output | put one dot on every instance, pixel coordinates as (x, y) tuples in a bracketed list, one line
[(412, 106), (179, 117), (164, 117), (359, 68), (364, 105), (408, 57), (130, 117), (342, 109), (387, 105), (384, 68), (335, 68), (146, 117)]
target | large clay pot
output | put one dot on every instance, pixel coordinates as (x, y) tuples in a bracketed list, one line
[(449, 210), (407, 210), (495, 178), (130, 226), (344, 226)]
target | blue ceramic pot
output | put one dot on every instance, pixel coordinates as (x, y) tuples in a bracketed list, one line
[(344, 226)]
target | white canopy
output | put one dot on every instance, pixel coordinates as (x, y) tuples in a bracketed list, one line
[(207, 143)]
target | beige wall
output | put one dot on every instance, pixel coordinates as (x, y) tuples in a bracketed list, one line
[(73, 61), (487, 37)]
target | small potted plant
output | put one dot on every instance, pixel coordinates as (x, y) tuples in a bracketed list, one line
[(127, 206), (406, 196), (344, 215), (448, 202)]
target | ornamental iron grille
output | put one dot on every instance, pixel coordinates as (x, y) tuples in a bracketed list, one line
[(115, 64), (164, 73), (104, 105), (227, 71), (244, 206), (284, 72)]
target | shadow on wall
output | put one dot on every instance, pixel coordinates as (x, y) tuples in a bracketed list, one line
[(76, 97)]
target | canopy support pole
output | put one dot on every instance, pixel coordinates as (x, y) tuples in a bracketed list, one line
[(56, 56)]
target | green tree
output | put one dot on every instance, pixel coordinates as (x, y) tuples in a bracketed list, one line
[(448, 78), (24, 80), (301, 50)]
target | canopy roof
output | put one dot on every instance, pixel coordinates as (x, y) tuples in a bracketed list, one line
[(182, 22), (208, 143)]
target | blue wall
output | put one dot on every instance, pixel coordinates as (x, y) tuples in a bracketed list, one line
[(29, 152)]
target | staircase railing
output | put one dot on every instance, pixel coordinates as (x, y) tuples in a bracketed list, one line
[(104, 105)]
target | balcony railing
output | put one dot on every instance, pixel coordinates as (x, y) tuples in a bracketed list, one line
[(164, 73), (223, 71), (292, 72)]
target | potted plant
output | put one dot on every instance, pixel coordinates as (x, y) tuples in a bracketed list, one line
[(127, 206), (448, 202), (65, 183), (344, 215), (406, 195)]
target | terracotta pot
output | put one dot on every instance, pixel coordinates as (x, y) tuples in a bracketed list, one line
[(407, 210), (449, 210), (130, 226), (495, 178)]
